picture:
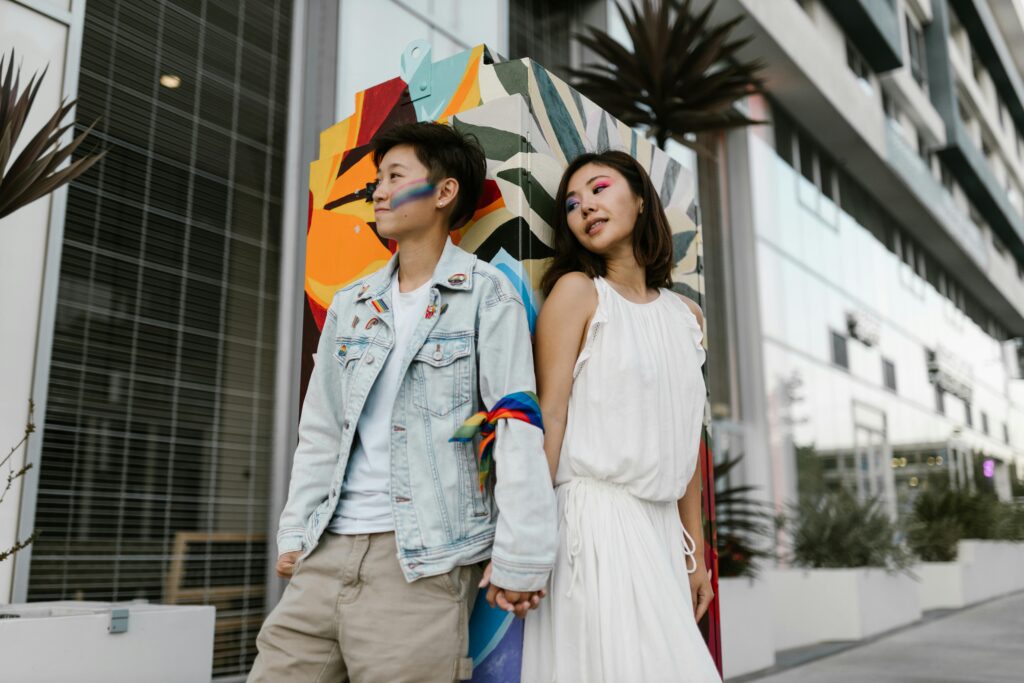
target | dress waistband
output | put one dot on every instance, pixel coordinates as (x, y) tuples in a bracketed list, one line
[(577, 490)]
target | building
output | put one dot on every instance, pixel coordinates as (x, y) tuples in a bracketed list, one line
[(866, 288), (864, 253)]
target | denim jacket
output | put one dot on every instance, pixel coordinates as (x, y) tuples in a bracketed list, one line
[(472, 348)]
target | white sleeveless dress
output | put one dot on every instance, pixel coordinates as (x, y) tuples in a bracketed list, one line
[(618, 608)]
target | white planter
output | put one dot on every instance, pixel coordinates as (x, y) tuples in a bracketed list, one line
[(815, 605), (941, 585), (746, 621), (71, 641), (982, 570)]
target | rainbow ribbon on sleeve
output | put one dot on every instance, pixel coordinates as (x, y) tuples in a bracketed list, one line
[(521, 405)]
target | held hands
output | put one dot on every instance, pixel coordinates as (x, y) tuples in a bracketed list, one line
[(701, 593), (519, 602), (286, 564)]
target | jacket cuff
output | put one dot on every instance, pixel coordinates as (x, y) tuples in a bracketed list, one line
[(517, 576), (289, 540)]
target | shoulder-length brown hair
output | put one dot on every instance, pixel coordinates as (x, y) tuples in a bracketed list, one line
[(652, 237)]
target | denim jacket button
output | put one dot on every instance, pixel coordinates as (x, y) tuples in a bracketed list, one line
[(369, 358), (346, 424)]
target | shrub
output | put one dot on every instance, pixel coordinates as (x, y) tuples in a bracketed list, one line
[(838, 530)]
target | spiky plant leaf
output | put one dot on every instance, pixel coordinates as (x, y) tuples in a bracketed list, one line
[(39, 167), (682, 75), (743, 525)]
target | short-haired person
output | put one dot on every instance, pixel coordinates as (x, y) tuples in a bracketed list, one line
[(622, 395), (389, 518)]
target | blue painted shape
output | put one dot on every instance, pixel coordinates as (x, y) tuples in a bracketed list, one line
[(487, 627), (505, 662), (445, 78), (516, 273)]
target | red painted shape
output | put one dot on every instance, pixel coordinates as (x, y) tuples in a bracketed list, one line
[(490, 193), (713, 634), (319, 313), (309, 212), (378, 104)]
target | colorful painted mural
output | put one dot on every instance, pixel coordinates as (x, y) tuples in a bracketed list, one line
[(530, 125)]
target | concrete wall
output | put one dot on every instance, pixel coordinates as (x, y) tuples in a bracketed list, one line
[(41, 34)]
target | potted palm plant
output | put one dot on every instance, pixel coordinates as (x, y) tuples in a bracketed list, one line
[(681, 76), (850, 577), (970, 546)]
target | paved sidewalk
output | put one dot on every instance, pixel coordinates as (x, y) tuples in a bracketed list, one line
[(981, 644)]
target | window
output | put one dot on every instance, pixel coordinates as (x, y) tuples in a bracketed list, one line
[(839, 355), (175, 401), (889, 374), (1006, 433), (829, 184), (807, 158), (946, 177), (968, 414), (940, 400), (859, 66), (915, 46), (984, 423), (785, 136), (888, 106), (999, 246)]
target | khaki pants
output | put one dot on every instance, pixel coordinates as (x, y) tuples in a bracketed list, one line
[(348, 614)]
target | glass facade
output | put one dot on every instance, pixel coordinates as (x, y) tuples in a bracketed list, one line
[(875, 357), (153, 477)]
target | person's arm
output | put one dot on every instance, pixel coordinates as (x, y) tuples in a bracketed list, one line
[(690, 513), (525, 539), (316, 455), (701, 592), (561, 327)]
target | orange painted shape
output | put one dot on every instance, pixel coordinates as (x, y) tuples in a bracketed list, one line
[(339, 249)]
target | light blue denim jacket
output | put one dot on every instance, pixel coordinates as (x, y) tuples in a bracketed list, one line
[(472, 348)]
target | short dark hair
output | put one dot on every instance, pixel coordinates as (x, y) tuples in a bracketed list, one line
[(446, 153), (652, 236)]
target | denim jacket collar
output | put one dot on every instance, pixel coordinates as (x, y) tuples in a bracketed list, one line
[(454, 270)]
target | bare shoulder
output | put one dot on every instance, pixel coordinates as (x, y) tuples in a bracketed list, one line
[(697, 313), (574, 290)]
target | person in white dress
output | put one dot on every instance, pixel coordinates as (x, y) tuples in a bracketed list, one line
[(619, 358)]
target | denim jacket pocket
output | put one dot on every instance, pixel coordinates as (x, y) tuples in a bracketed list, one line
[(442, 371), (348, 351)]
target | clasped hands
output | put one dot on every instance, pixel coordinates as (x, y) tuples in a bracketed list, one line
[(518, 602)]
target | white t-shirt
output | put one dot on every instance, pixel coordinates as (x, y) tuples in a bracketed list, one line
[(364, 506)]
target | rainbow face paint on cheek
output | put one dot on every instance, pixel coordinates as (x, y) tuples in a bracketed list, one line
[(410, 192)]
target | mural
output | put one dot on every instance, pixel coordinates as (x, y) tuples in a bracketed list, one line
[(530, 125)]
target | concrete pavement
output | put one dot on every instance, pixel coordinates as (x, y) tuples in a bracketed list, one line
[(980, 644)]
